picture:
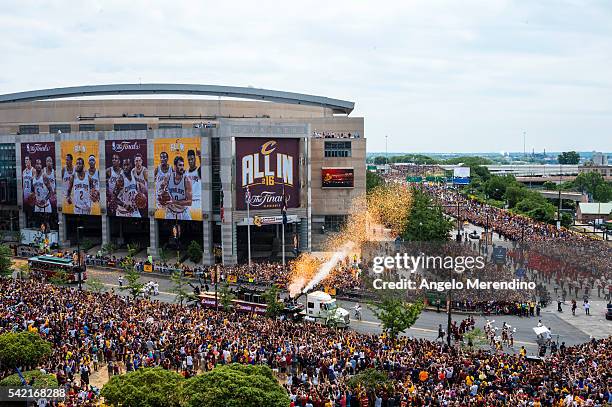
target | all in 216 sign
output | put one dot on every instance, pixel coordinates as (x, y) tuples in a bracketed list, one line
[(267, 167)]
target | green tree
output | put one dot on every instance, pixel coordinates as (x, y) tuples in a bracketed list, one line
[(194, 251), (496, 186), (226, 297), (476, 337), (235, 385), (370, 380), (6, 264), (566, 220), (514, 194), (59, 277), (273, 306), (603, 192), (95, 285), (134, 286), (22, 349), (549, 186), (379, 160), (34, 378), (468, 161), (569, 157), (180, 287), (133, 249), (373, 180), (108, 248), (395, 314), (426, 221), (588, 182), (149, 387), (163, 255)]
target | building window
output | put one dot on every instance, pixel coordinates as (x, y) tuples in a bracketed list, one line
[(337, 149), (333, 223), (64, 128), (130, 126), (87, 127), (170, 126), (28, 129)]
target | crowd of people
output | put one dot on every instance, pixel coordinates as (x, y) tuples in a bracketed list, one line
[(334, 134), (104, 331), (559, 254)]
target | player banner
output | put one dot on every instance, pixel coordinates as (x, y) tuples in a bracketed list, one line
[(267, 167), (80, 177), (38, 177), (178, 185), (337, 178), (126, 178)]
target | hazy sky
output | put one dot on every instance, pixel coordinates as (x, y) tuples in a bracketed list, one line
[(432, 75)]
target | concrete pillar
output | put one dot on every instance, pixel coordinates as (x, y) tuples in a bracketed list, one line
[(63, 236), (207, 209), (105, 229), (228, 228), (153, 237), (22, 215)]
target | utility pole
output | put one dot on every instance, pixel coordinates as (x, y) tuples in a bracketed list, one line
[(559, 208)]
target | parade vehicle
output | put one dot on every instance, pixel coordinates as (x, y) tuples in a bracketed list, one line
[(251, 301), (53, 266), (321, 307)]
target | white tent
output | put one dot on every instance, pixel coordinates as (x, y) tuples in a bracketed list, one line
[(540, 330)]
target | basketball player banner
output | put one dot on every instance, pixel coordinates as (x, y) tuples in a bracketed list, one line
[(177, 174), (267, 167), (126, 178), (80, 177), (38, 177)]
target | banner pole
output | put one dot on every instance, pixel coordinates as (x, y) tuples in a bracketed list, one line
[(249, 229)]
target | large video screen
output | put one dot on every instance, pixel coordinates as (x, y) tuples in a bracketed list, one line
[(337, 178), (267, 167)]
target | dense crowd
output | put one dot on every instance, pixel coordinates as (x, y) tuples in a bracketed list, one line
[(104, 331), (574, 256), (334, 134)]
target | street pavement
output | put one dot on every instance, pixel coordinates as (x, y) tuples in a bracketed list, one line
[(426, 326)]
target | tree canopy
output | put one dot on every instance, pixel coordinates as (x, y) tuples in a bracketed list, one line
[(22, 349), (34, 378), (149, 387), (6, 264), (569, 157), (426, 221), (395, 314), (235, 385)]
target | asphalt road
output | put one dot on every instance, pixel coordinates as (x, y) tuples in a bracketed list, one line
[(426, 326)]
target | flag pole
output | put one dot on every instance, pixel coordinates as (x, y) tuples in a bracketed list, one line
[(248, 202)]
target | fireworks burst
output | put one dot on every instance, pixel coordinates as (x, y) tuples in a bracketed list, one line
[(386, 206)]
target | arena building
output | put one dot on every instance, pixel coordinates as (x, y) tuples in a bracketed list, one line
[(166, 172)]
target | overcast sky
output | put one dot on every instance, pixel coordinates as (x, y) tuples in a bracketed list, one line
[(452, 76)]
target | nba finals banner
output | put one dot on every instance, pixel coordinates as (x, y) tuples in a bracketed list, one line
[(267, 167), (178, 186), (38, 175), (80, 178), (126, 178)]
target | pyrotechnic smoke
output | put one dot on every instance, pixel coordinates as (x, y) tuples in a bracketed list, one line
[(386, 206), (327, 267)]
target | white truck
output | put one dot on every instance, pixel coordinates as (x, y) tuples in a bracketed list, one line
[(321, 307)]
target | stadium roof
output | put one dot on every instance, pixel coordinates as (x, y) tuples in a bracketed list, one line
[(337, 105)]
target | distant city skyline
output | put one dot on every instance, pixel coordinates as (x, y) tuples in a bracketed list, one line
[(445, 76)]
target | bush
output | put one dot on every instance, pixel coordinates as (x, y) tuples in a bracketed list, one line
[(194, 251), (22, 349), (149, 387), (34, 378), (235, 385)]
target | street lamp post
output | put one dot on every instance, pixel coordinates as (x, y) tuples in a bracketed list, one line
[(80, 269)]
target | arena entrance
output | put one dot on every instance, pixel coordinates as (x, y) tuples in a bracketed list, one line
[(188, 231), (266, 242), (129, 230), (91, 233)]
